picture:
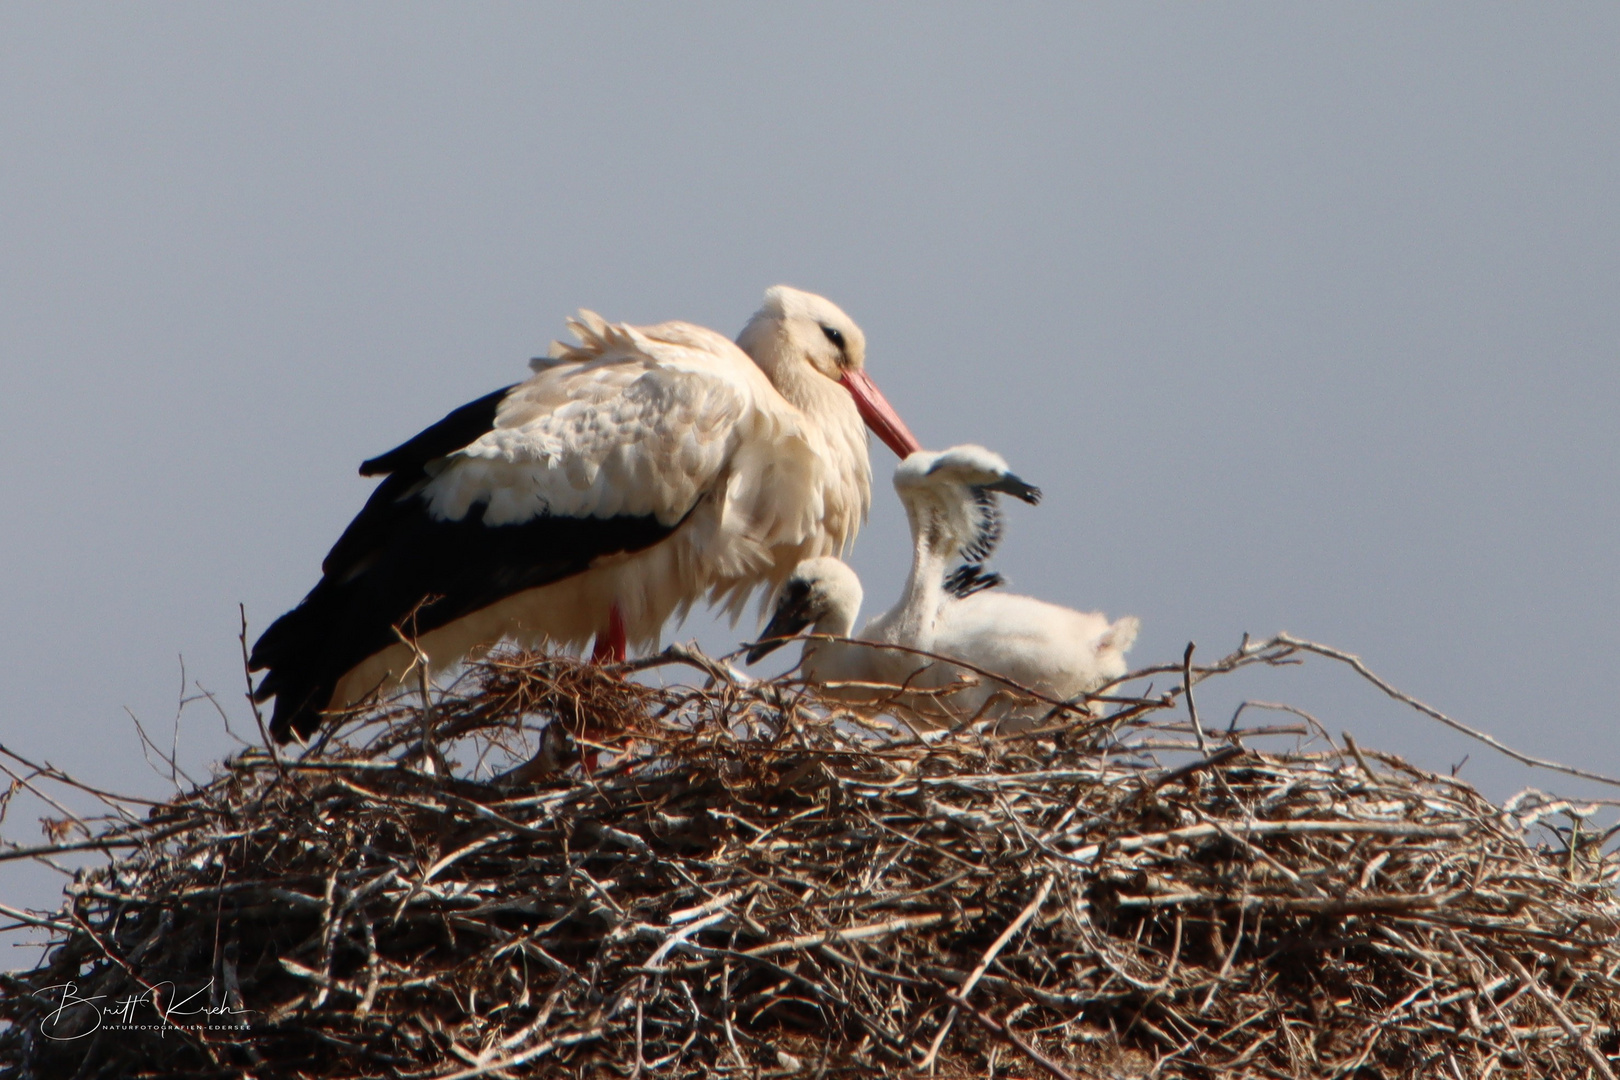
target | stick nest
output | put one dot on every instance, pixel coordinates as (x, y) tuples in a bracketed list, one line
[(763, 886)]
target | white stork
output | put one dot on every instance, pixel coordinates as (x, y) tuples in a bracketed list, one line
[(950, 500), (632, 475)]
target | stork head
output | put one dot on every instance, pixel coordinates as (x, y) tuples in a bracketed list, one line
[(821, 593), (950, 499), (962, 468), (796, 333)]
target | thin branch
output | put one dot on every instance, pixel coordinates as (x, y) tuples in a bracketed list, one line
[(1435, 714)]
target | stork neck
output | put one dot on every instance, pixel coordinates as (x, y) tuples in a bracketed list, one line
[(822, 660), (839, 621), (809, 390), (925, 586), (836, 424)]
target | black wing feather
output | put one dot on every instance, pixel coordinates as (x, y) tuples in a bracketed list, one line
[(458, 428), (970, 578), (406, 466), (987, 527)]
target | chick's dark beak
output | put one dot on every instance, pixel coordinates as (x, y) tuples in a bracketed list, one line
[(792, 615), (1012, 485)]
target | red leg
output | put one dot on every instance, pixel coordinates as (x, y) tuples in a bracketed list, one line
[(610, 646)]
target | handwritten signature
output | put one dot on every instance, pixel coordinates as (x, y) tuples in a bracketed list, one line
[(75, 1016)]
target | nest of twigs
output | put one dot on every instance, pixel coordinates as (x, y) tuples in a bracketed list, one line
[(757, 887)]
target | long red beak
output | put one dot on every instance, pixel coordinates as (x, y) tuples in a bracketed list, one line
[(879, 414)]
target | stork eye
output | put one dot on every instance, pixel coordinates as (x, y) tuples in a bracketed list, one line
[(834, 336)]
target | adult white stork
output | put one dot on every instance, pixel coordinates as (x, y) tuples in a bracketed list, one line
[(632, 475), (950, 500)]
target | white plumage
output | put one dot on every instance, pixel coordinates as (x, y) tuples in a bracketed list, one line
[(950, 504), (634, 474)]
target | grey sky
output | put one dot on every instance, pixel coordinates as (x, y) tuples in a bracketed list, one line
[(1305, 317)]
